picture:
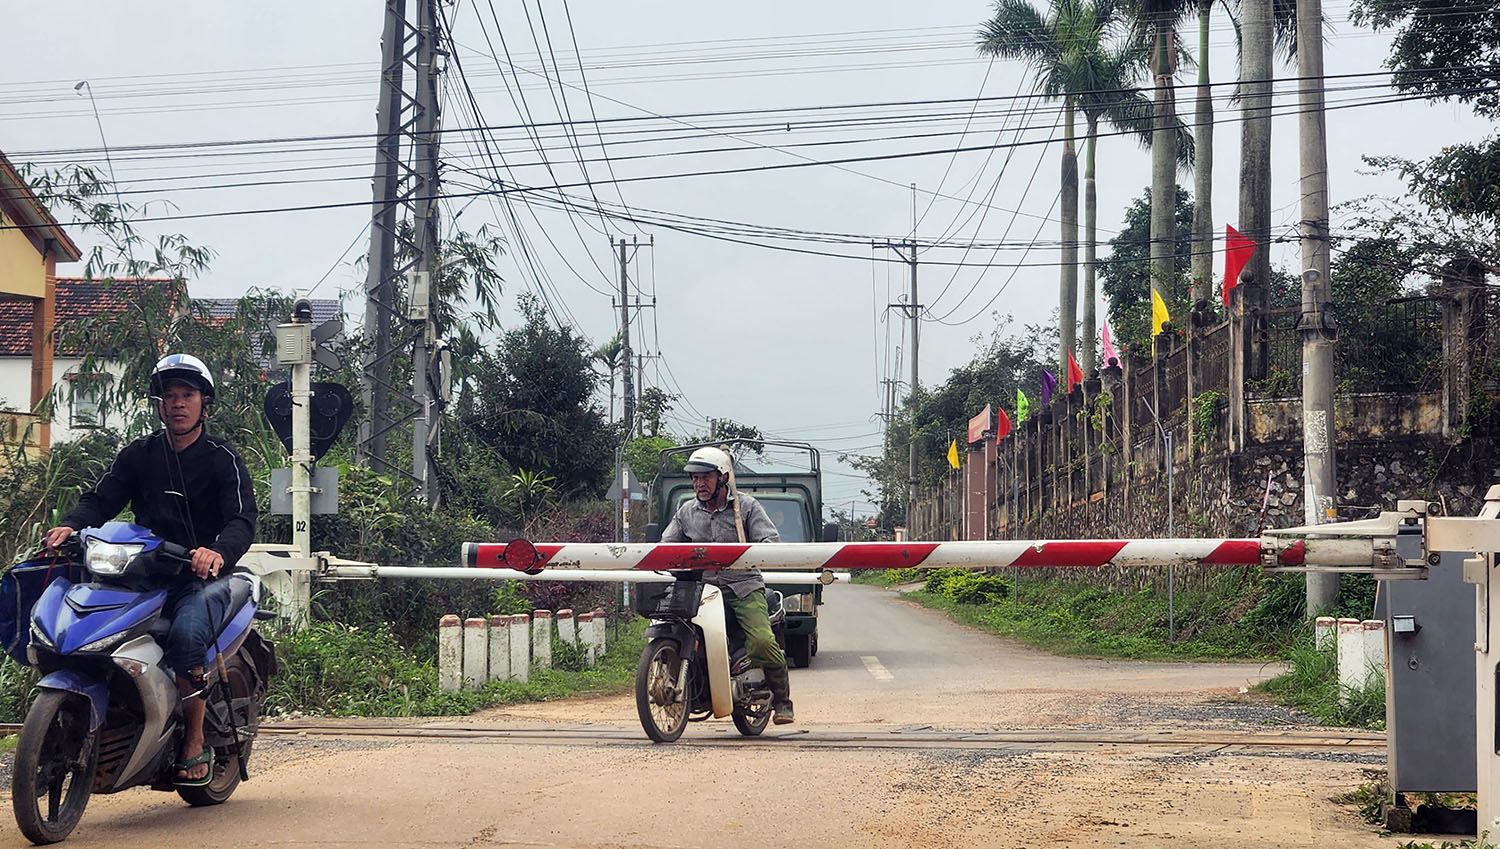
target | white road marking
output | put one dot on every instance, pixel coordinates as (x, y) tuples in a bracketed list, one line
[(876, 668)]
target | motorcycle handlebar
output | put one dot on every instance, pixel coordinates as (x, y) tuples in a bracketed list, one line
[(173, 551)]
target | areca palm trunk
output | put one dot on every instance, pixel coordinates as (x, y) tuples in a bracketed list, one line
[(1068, 279), (1203, 168), (1090, 246), (1163, 160)]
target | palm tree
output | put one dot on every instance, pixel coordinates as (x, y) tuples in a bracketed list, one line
[(1284, 27), (1076, 56), (608, 355)]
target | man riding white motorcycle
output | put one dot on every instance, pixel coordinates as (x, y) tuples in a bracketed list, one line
[(712, 517)]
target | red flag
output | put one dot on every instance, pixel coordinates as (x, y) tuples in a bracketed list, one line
[(1237, 250), (1075, 374), (1002, 425)]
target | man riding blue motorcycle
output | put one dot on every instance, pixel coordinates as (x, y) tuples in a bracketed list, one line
[(191, 489)]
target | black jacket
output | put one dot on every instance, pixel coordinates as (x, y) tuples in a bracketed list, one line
[(200, 497)]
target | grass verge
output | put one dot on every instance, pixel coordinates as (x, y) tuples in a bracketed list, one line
[(342, 670)]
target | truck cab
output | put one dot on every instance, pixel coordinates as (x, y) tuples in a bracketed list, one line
[(786, 478)]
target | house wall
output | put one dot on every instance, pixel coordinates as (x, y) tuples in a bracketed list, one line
[(15, 392)]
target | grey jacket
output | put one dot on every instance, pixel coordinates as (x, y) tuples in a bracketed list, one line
[(694, 523)]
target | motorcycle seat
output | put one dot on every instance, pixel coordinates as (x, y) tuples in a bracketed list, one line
[(235, 590)]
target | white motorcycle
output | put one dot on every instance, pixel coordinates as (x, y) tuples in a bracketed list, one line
[(694, 665)]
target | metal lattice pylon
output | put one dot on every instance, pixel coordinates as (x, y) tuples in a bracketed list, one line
[(402, 233)]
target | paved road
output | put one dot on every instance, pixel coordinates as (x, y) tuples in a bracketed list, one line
[(886, 669)]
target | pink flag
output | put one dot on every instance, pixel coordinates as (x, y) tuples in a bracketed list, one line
[(1109, 347)]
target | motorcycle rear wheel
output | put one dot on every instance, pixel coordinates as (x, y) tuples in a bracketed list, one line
[(241, 683), (753, 721), (660, 702), (55, 759)]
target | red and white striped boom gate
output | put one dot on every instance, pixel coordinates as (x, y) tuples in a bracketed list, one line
[(816, 556)]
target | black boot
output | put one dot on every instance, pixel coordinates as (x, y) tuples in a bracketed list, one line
[(781, 696)]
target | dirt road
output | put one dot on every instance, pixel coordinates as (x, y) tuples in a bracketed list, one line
[(911, 732)]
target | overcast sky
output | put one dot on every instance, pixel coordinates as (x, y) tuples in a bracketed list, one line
[(791, 342)]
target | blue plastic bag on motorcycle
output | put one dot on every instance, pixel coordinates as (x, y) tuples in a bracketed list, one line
[(21, 586)]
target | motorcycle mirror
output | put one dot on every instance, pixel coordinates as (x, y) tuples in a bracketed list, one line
[(522, 556)]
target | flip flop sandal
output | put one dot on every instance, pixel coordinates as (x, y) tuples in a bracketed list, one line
[(207, 757)]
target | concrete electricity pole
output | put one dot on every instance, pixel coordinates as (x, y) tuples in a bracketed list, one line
[(911, 448), (425, 231), (1318, 327), (628, 381)]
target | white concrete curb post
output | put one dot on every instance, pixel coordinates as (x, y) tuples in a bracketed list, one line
[(476, 652), (499, 648), (567, 627), (450, 653), (1325, 633), (520, 647), (541, 639), (586, 636), (600, 626)]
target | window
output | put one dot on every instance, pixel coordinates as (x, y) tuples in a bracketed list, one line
[(85, 395)]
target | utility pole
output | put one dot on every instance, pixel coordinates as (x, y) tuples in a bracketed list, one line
[(380, 277), (916, 322), (1318, 327), (425, 231), (628, 382), (403, 189), (913, 310)]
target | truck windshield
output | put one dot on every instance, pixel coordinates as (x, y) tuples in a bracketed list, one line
[(786, 513)]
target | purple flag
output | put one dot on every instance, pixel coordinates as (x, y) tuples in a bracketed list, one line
[(1049, 384)]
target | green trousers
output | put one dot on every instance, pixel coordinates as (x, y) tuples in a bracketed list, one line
[(760, 643)]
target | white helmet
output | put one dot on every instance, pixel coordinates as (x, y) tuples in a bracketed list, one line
[(184, 367), (708, 459)]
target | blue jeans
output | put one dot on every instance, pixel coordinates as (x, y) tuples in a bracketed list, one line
[(196, 615)]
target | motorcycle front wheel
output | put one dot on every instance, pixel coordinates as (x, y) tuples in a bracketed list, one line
[(661, 690), (54, 769)]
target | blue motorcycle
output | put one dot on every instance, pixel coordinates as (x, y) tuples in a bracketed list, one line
[(108, 715)]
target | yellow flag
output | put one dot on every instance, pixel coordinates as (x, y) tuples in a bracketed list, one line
[(953, 453), (1159, 314)]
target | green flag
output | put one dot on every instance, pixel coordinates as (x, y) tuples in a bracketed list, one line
[(1023, 407)]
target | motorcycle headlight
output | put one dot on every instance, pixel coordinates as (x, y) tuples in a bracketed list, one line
[(105, 643), (107, 558), (38, 638)]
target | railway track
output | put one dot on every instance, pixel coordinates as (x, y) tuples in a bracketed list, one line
[(911, 737), (919, 737)]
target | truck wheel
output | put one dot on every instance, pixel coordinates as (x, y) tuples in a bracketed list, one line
[(815, 644), (799, 650)]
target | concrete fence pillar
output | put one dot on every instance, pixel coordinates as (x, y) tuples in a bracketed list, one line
[(476, 652), (586, 636), (520, 647), (567, 626), (541, 639), (450, 653), (1351, 657), (1325, 633), (499, 648)]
